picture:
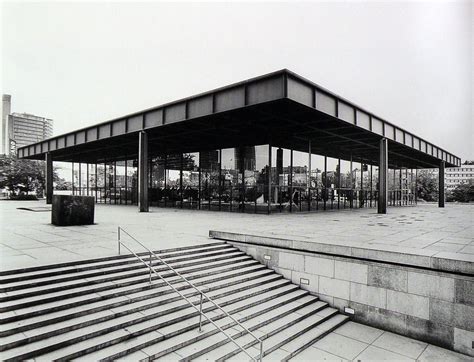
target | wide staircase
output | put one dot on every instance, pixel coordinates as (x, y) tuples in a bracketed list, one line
[(120, 308)]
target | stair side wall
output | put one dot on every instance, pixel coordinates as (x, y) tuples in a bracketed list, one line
[(429, 305)]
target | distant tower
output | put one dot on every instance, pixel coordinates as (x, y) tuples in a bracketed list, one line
[(5, 130)]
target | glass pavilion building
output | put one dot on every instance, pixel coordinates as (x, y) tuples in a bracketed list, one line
[(275, 143)]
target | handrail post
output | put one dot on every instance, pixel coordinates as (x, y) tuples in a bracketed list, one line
[(150, 267), (200, 314), (261, 351), (118, 230)]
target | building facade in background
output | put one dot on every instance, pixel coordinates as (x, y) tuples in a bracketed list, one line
[(459, 175), (21, 129)]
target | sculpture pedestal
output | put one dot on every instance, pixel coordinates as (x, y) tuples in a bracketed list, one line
[(72, 210)]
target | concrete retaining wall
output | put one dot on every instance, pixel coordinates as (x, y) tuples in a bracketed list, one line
[(430, 305)]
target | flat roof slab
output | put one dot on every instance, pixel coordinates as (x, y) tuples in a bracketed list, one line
[(281, 108)]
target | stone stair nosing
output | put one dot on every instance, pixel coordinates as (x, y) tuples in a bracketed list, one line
[(90, 282), (300, 332), (116, 327), (169, 323), (245, 270), (169, 337), (225, 268), (226, 260), (319, 336), (99, 260), (213, 346), (106, 309), (278, 330), (249, 276), (131, 259)]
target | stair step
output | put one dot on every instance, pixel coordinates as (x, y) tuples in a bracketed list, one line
[(49, 330), (74, 338), (270, 334), (63, 274), (35, 300), (306, 340), (33, 289), (175, 338), (60, 266), (271, 312), (153, 289), (106, 309)]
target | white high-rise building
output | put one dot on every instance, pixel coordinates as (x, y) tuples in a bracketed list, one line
[(458, 175), (22, 129)]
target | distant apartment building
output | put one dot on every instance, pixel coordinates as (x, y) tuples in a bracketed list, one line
[(458, 175), (21, 129)]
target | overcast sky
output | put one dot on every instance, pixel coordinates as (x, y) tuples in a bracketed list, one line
[(83, 63)]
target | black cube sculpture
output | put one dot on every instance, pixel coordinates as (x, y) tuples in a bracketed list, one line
[(72, 210)]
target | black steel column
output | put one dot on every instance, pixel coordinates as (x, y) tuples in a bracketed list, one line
[(352, 185), (87, 179), (290, 180), (309, 175), (80, 179), (181, 183), (49, 178), (383, 175), (400, 201), (126, 182), (338, 182), (105, 181), (115, 182), (72, 177), (441, 184), (325, 188), (371, 186), (220, 180), (416, 186), (269, 198), (95, 182), (142, 172), (361, 196)]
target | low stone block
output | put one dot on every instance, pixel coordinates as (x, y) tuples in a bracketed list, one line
[(291, 261), (463, 341), (284, 272), (354, 272), (464, 290), (441, 312), (70, 210), (429, 331), (429, 285), (334, 287), (319, 266), (389, 278), (464, 317), (268, 257), (340, 304), (409, 304), (313, 281), (373, 296), (379, 318)]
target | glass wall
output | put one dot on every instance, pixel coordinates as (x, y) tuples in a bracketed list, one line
[(190, 180), (237, 179), (209, 179)]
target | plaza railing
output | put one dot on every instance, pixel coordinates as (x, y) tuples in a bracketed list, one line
[(203, 295)]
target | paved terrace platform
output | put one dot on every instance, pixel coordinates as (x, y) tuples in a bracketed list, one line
[(421, 232), (27, 239)]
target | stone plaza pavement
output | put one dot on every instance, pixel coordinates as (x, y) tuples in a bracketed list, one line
[(28, 239)]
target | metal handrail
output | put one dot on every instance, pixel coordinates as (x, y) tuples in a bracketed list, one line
[(202, 294)]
